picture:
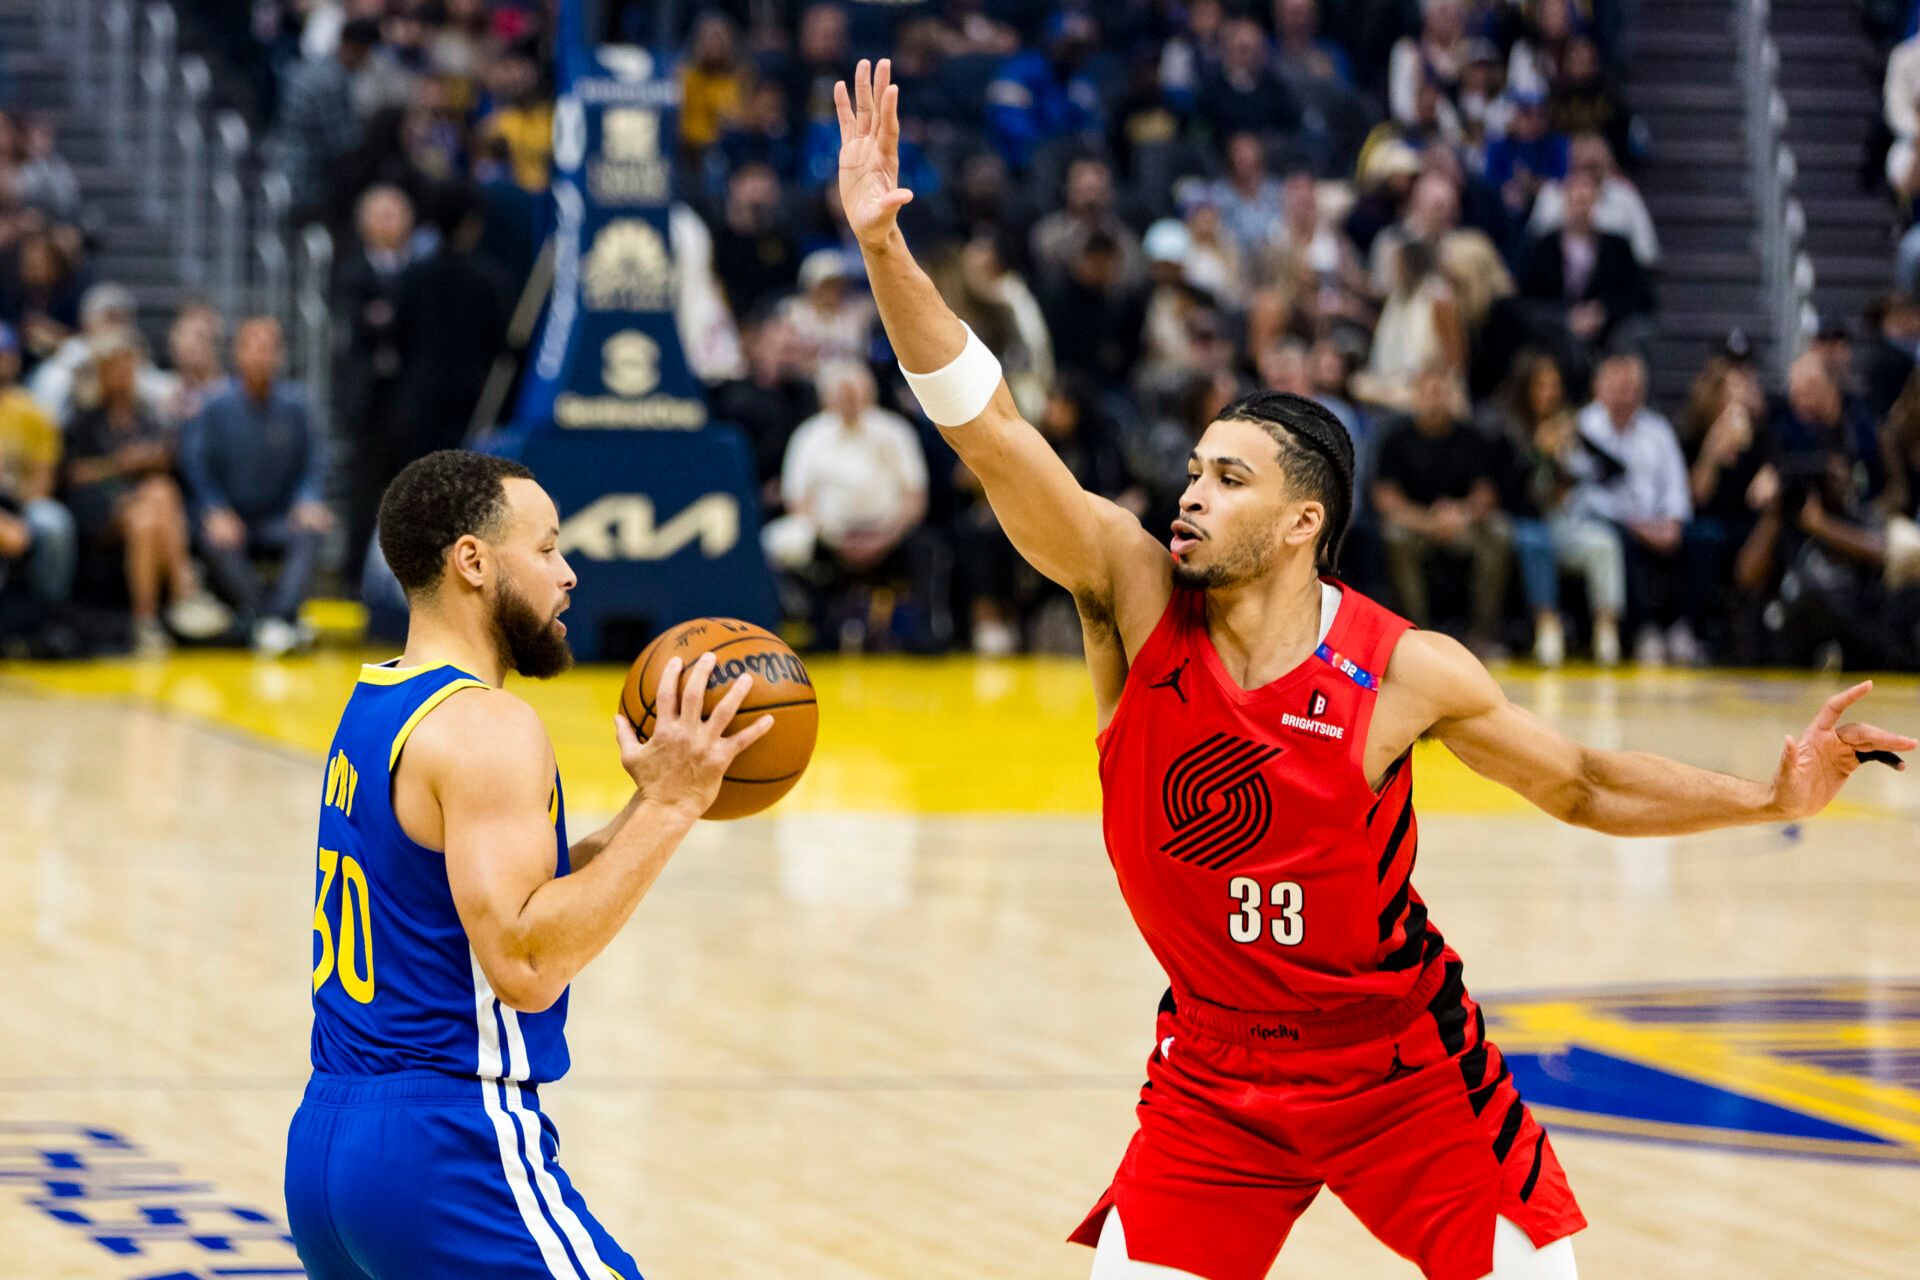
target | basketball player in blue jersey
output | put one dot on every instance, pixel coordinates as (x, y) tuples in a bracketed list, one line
[(451, 913)]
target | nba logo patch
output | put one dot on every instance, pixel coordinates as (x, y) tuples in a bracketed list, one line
[(1316, 705)]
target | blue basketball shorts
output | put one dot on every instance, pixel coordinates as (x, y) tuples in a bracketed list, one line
[(424, 1176)]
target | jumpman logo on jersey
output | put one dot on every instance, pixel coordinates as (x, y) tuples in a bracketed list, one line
[(1171, 680)]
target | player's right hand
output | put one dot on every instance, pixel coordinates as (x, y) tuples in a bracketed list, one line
[(683, 763), (870, 189)]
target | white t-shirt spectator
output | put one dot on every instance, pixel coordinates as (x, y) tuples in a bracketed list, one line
[(1618, 209), (1901, 91), (853, 477), (1654, 485)]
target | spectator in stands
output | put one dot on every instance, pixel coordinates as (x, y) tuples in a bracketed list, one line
[(40, 297), (820, 57), (714, 83), (1192, 54), (761, 134), (1484, 110), (1723, 437), (1311, 262), (1165, 355), (1900, 453), (1815, 419), (1088, 208), (1527, 156), (1250, 199), (1387, 170), (1436, 489), (1581, 100), (1213, 261), (1900, 90), (1618, 207), (1419, 331), (1095, 317), (1586, 282), (255, 465), (36, 532), (366, 292), (449, 321), (1640, 485), (854, 483), (193, 349), (1550, 533), (1432, 59), (830, 319), (1242, 94), (1043, 94), (1533, 64), (119, 485), (1302, 53), (754, 255), (1432, 213), (992, 297), (105, 309), (523, 116), (36, 175), (775, 396), (317, 123), (1894, 319)]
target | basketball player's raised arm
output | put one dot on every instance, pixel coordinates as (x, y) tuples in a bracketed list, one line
[(488, 762), (1623, 793), (1078, 539)]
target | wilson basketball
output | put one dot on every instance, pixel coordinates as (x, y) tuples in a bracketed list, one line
[(781, 688)]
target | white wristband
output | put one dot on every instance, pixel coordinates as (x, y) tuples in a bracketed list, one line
[(959, 392)]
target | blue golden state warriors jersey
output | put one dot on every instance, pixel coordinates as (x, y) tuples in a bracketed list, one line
[(396, 987)]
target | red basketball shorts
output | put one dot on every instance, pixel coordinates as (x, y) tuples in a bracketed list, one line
[(1419, 1131)]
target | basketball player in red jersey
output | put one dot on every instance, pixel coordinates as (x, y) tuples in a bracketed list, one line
[(1257, 722)]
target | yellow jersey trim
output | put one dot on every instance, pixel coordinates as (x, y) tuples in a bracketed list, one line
[(438, 696), (380, 673)]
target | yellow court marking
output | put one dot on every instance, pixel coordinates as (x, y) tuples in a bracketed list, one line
[(1701, 1052), (897, 735)]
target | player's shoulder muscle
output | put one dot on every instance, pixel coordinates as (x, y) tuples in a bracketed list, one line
[(483, 745), (1430, 681)]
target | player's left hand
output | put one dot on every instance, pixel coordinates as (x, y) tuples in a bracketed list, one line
[(1814, 766)]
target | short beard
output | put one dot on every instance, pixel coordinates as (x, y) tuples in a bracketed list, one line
[(527, 641), (1237, 562)]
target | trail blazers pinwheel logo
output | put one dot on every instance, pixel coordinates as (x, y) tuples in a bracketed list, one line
[(1216, 801)]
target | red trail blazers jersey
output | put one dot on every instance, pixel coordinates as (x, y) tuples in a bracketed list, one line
[(1263, 869)]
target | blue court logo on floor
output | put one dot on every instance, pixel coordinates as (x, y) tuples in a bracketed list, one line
[(1822, 1068)]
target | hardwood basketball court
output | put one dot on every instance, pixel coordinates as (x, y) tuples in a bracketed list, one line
[(894, 1029)]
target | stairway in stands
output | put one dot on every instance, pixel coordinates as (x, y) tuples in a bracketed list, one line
[(127, 250), (1830, 76), (1685, 86)]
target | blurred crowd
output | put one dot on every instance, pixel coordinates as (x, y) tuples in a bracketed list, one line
[(1420, 212)]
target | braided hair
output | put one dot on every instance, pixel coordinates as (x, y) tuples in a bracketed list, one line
[(1316, 456)]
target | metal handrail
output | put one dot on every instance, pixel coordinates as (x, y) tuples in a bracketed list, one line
[(160, 38), (190, 220), (1786, 275), (84, 28), (230, 212), (313, 319), (119, 86), (271, 284)]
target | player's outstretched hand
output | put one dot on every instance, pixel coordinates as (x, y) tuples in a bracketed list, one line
[(684, 761), (870, 189), (1814, 766)]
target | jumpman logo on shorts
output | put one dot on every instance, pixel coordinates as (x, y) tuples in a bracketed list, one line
[(1172, 679), (1398, 1068)]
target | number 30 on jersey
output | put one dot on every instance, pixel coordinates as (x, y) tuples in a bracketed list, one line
[(1283, 922), (355, 956)]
